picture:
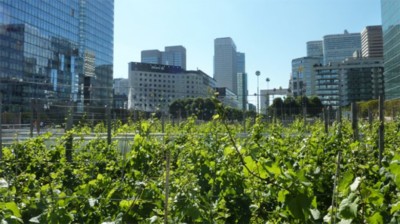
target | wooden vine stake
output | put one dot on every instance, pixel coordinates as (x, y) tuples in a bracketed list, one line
[(381, 128), (1, 130), (326, 119), (68, 143), (354, 121), (167, 167), (335, 183), (108, 115), (370, 118)]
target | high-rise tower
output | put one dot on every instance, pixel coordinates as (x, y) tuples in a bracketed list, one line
[(338, 47), (225, 63), (173, 55), (242, 90), (372, 42), (314, 48), (57, 52), (391, 47)]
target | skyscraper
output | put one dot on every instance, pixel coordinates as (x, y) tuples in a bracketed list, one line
[(372, 42), (314, 48), (338, 47), (225, 63), (173, 55), (56, 51), (151, 56), (241, 62), (242, 90), (241, 80), (391, 47)]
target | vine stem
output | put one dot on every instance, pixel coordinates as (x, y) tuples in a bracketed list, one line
[(244, 163), (334, 193), (167, 168)]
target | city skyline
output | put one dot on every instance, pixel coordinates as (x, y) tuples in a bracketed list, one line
[(270, 33)]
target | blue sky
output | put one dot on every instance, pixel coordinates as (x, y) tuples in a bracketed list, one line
[(270, 32)]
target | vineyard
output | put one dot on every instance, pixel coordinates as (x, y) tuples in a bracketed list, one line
[(212, 172)]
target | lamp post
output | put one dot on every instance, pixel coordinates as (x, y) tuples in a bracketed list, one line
[(267, 96), (258, 92)]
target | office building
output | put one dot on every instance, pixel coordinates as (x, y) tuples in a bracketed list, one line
[(314, 48), (353, 80), (121, 91), (338, 47), (225, 63), (242, 90), (240, 62), (361, 79), (227, 97), (56, 51), (153, 87), (302, 81), (121, 86), (151, 56), (172, 55), (391, 47), (372, 42)]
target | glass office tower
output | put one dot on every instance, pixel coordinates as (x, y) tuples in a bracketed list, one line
[(338, 47), (391, 47), (57, 52), (225, 65)]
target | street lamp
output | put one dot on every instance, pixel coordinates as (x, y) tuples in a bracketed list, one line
[(258, 92), (267, 91)]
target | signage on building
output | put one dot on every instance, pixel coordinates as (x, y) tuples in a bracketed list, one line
[(147, 67)]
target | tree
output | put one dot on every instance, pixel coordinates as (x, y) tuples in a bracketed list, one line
[(276, 107), (176, 108), (290, 106), (315, 106)]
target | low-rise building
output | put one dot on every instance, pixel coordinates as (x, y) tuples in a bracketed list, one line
[(153, 87)]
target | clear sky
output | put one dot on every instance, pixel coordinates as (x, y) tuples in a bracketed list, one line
[(270, 32)]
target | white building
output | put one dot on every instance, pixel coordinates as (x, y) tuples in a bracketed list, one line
[(153, 87)]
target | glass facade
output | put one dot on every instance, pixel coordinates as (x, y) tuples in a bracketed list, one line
[(338, 47), (354, 80), (241, 63), (314, 48), (328, 86), (242, 90), (56, 51), (151, 56), (174, 55), (303, 76), (225, 65), (391, 47)]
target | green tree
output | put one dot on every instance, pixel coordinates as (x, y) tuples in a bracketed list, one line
[(315, 106), (291, 107), (277, 107)]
